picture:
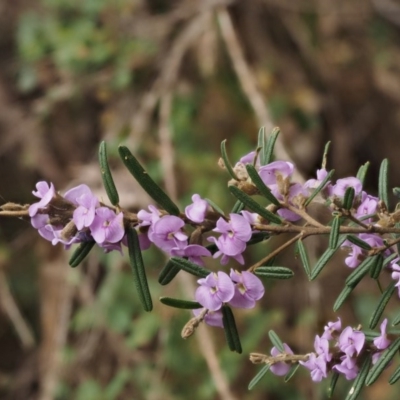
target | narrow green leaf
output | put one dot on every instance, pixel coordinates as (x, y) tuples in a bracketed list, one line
[(276, 341), (383, 182), (355, 277), (344, 294), (376, 268), (231, 332), (319, 188), (259, 376), (268, 149), (362, 172), (136, 262), (260, 185), (147, 183), (291, 372), (258, 237), (324, 259), (190, 267), (389, 259), (168, 273), (395, 376), (334, 235), (397, 226), (238, 206), (383, 301), (396, 320), (227, 163), (382, 362), (325, 155), (332, 385), (178, 303), (261, 142), (214, 206), (348, 198), (358, 242), (108, 180), (359, 382), (304, 257), (254, 206), (274, 272), (80, 253)]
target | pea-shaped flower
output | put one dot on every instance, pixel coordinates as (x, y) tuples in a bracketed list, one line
[(248, 289), (215, 289)]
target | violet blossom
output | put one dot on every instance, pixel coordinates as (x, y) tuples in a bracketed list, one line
[(339, 189), (280, 368), (45, 193), (87, 203), (348, 367), (212, 318), (214, 290), (193, 252), (234, 236), (317, 366), (269, 173), (382, 342), (330, 328), (107, 226), (196, 211), (166, 232), (351, 341), (248, 289)]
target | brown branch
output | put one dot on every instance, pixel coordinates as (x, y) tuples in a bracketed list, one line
[(275, 252), (10, 307)]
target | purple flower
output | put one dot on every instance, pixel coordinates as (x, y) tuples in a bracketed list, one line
[(193, 252), (382, 342), (332, 327), (348, 367), (87, 203), (317, 366), (107, 226), (269, 173), (321, 346), (314, 183), (235, 235), (248, 289), (249, 158), (196, 211), (167, 232), (212, 318), (342, 184), (149, 218), (251, 218), (280, 368), (368, 206), (45, 193), (214, 290), (351, 341), (396, 275), (357, 254)]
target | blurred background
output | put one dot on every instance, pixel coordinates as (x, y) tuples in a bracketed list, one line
[(171, 79)]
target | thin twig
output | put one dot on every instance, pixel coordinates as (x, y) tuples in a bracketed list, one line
[(275, 252), (248, 82), (10, 307)]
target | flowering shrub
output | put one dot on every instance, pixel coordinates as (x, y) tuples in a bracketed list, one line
[(361, 224)]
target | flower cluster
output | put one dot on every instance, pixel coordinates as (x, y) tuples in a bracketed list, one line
[(337, 349), (75, 217), (203, 230)]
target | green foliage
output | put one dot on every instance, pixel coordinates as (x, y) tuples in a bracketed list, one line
[(77, 38)]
